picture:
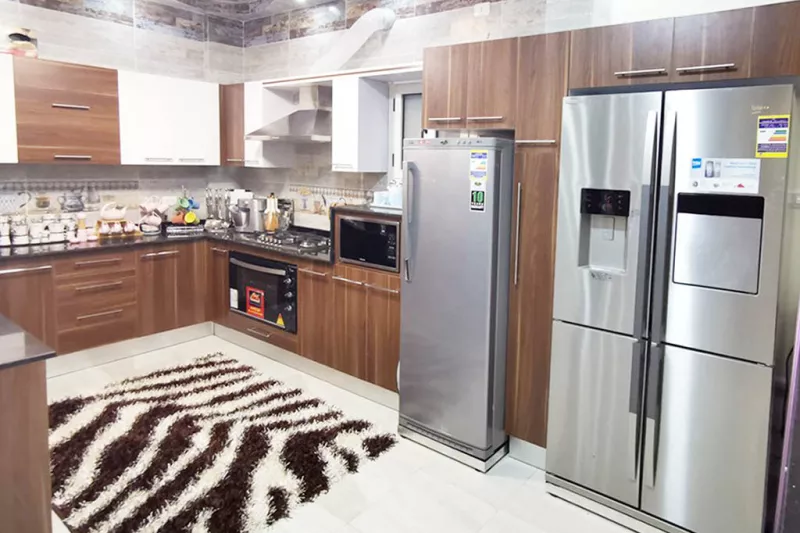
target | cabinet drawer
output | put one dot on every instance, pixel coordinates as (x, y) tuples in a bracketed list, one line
[(107, 288), (63, 108), (92, 265), (262, 332), (68, 154), (37, 73), (97, 326)]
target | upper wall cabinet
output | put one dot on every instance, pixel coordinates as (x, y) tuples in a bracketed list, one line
[(491, 84), (168, 121), (714, 46), (444, 86), (776, 41), (231, 122), (66, 113), (626, 54), (8, 114), (360, 125)]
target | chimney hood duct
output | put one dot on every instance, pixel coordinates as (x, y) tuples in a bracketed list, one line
[(306, 116)]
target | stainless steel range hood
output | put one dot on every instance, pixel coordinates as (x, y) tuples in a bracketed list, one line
[(304, 116)]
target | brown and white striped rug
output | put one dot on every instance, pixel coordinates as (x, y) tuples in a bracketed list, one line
[(211, 446)]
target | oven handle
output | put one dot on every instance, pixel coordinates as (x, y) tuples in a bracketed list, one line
[(250, 266)]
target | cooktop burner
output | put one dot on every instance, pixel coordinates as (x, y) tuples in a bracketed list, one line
[(295, 241)]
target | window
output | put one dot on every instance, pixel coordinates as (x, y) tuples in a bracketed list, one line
[(405, 122)]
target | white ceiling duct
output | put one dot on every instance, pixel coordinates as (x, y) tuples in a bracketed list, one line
[(375, 20)]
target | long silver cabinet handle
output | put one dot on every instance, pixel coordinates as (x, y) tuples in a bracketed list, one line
[(158, 159), (381, 289), (233, 160), (98, 286), (98, 315), (516, 233), (218, 250), (313, 273), (98, 262), (705, 68), (259, 333), (192, 159), (443, 119), (73, 157), (160, 254), (10, 271), (640, 72), (71, 106), (350, 281), (536, 141), (484, 119)]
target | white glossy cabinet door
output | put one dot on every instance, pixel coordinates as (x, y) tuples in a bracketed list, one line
[(360, 125), (8, 114), (196, 109)]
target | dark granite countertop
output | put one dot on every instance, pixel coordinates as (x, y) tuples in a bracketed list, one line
[(44, 250), (19, 346)]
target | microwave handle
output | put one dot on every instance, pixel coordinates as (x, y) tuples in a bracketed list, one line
[(408, 210), (257, 268)]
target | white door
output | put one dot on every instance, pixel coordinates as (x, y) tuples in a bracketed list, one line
[(146, 119), (8, 115), (195, 121)]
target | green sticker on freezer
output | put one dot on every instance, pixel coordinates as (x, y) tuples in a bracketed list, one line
[(477, 191)]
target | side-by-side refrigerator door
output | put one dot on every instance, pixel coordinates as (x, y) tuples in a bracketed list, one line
[(605, 196)]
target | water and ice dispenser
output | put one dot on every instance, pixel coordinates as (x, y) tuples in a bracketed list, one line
[(604, 229)]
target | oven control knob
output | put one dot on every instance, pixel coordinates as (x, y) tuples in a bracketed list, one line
[(289, 295), (288, 308), (287, 282)]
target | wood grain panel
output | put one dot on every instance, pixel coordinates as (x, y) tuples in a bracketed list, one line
[(24, 454), (85, 326), (217, 289), (38, 73), (600, 56), (349, 321), (444, 86), (262, 332), (157, 277), (776, 41), (103, 289), (531, 299), (491, 84), (543, 69), (713, 39), (316, 312), (231, 120), (92, 264), (189, 286), (383, 330), (27, 297)]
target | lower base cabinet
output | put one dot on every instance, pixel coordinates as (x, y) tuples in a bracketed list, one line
[(26, 297)]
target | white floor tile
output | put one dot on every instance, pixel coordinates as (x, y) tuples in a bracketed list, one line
[(58, 526)]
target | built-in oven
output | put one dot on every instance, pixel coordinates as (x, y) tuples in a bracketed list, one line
[(264, 290), (369, 242)]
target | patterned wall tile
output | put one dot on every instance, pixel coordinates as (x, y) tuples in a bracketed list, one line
[(319, 19), (425, 7), (225, 31), (356, 8), (164, 18), (266, 30), (120, 11)]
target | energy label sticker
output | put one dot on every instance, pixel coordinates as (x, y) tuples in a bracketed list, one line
[(478, 163), (772, 141)]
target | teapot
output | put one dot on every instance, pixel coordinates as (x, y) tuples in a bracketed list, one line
[(71, 202), (112, 211)]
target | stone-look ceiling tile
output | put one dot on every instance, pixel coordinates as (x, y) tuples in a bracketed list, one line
[(425, 7), (171, 20), (266, 30), (323, 18), (356, 8), (120, 11), (225, 31)]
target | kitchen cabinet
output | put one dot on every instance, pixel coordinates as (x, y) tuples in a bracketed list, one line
[(257, 153), (168, 121), (625, 54), (66, 113), (444, 86), (349, 335), (531, 293), (360, 125), (491, 84), (231, 121), (26, 297), (8, 112), (712, 46), (776, 41), (217, 292), (316, 312), (383, 329)]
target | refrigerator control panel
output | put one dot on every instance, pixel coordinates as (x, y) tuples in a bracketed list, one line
[(605, 202)]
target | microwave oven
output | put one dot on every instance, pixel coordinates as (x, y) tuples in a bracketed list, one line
[(369, 242)]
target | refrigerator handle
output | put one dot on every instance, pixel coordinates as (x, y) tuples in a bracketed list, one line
[(655, 380), (635, 407), (408, 210), (516, 232)]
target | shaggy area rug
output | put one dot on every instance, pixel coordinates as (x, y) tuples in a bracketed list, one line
[(211, 446)]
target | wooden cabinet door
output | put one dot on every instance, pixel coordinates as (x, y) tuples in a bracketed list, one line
[(8, 114), (776, 41), (491, 84), (444, 86), (383, 329), (217, 286), (625, 54), (713, 46), (541, 86), (531, 294), (27, 298), (349, 321), (316, 313), (157, 277), (231, 120), (190, 283)]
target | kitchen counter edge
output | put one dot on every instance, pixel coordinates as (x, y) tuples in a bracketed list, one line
[(16, 353)]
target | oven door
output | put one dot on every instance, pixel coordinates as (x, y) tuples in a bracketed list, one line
[(264, 290), (373, 243)]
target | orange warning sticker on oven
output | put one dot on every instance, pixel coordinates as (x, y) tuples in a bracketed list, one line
[(255, 302), (280, 320)]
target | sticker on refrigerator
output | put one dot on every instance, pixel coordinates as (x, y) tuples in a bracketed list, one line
[(772, 139), (730, 176), (477, 191), (234, 299), (255, 302), (478, 160)]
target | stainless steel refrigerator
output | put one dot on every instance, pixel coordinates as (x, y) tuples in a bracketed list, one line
[(671, 211), (455, 256)]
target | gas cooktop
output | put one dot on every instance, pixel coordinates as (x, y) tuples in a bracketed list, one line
[(294, 241)]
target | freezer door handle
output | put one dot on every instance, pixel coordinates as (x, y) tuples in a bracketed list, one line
[(655, 380), (635, 407), (408, 217)]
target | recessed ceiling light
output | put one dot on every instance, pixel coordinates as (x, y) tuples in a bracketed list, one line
[(333, 9)]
